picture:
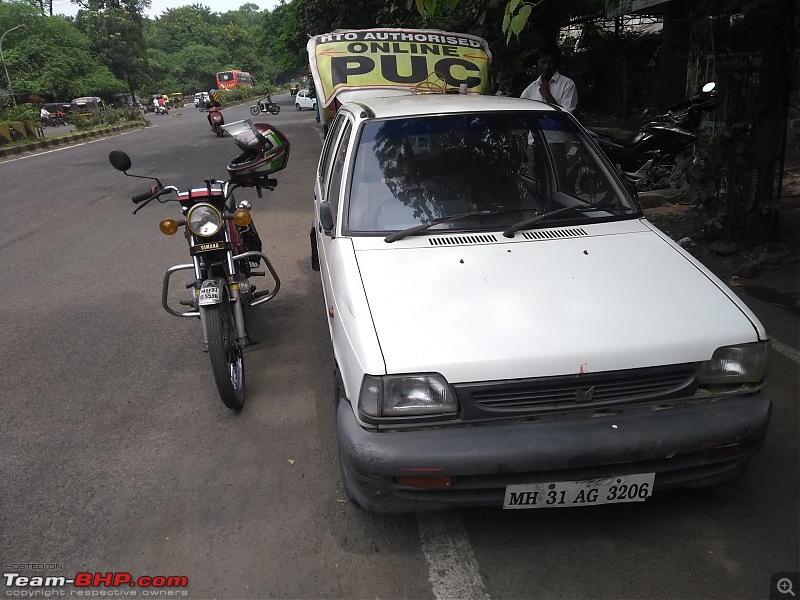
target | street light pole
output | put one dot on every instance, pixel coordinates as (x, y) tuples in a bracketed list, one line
[(8, 79)]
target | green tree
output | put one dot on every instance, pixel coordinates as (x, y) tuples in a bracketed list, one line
[(116, 31), (53, 58)]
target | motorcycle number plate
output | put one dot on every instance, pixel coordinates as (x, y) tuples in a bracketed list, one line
[(209, 294)]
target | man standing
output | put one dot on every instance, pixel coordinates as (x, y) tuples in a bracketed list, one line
[(551, 86)]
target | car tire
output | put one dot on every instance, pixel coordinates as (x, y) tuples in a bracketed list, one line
[(297, 106)]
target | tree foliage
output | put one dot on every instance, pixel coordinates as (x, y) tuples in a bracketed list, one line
[(52, 58)]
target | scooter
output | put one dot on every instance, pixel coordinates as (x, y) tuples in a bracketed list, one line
[(161, 110), (265, 105), (648, 157), (216, 120)]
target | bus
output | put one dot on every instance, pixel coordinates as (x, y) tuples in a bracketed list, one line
[(227, 80)]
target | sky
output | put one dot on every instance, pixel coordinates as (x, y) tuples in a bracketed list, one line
[(157, 7)]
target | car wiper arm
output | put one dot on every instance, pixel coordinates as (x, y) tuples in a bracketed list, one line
[(398, 235), (509, 233)]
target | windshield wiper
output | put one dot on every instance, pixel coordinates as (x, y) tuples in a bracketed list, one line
[(398, 235), (509, 233)]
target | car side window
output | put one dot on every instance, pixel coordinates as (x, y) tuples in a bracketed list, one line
[(337, 168), (327, 152)]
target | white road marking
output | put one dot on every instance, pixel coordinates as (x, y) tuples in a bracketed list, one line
[(787, 351), (34, 152), (452, 568)]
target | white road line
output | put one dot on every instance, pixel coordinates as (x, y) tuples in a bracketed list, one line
[(452, 568), (34, 153), (787, 351)]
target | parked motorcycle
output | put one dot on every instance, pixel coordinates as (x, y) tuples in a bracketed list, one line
[(225, 247), (216, 120), (265, 105), (648, 157)]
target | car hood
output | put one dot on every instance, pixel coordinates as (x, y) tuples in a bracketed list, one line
[(486, 308)]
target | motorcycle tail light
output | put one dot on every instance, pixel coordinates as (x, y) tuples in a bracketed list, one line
[(168, 227), (242, 217)]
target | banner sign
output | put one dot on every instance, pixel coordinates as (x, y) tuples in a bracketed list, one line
[(412, 59)]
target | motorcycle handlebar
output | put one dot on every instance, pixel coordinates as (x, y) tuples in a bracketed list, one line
[(137, 198)]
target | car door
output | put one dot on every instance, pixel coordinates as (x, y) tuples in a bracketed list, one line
[(329, 189)]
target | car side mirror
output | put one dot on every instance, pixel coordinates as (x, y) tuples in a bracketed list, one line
[(326, 217)]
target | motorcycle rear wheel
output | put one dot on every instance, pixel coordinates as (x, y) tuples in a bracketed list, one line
[(274, 109), (254, 110), (227, 360)]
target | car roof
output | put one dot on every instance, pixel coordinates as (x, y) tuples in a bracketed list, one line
[(408, 105)]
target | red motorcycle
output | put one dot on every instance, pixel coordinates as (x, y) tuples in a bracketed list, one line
[(216, 120)]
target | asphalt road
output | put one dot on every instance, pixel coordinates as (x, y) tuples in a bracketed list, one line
[(118, 456)]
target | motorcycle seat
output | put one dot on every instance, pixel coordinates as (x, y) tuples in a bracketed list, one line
[(631, 141)]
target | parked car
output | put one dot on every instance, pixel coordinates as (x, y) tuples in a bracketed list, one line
[(304, 99), (58, 108), (508, 329)]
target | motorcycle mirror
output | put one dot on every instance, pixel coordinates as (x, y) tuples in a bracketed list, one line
[(709, 87), (122, 162), (119, 160)]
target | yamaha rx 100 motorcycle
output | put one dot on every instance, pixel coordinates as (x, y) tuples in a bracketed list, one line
[(225, 249)]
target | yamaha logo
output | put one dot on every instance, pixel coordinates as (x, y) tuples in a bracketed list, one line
[(582, 395)]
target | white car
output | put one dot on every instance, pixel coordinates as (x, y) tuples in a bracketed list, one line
[(200, 99), (507, 327), (304, 100)]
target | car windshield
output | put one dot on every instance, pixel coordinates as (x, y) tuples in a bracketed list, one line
[(488, 171)]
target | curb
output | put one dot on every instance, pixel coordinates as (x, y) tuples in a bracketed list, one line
[(44, 144)]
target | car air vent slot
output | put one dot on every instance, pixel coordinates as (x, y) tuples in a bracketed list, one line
[(553, 234), (461, 240)]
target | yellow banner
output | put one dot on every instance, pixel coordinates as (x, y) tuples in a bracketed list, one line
[(413, 59)]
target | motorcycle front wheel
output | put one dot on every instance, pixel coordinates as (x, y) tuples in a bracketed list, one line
[(227, 360), (254, 110)]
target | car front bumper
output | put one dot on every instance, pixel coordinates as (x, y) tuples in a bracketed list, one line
[(693, 445)]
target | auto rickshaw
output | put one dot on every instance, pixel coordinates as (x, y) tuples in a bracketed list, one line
[(176, 100)]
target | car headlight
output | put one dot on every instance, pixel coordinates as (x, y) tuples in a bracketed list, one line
[(406, 396), (735, 365), (204, 220)]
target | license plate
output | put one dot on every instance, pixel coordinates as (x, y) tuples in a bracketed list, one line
[(209, 294), (562, 494)]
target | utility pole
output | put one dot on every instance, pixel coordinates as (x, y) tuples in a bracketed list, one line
[(2, 58)]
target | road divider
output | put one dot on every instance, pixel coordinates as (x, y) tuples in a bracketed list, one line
[(47, 143)]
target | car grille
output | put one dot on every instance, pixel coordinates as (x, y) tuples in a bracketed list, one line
[(591, 390)]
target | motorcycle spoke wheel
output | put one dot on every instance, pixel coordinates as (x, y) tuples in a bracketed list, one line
[(254, 110), (227, 360), (275, 109)]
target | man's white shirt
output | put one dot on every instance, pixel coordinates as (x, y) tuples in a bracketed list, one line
[(562, 89)]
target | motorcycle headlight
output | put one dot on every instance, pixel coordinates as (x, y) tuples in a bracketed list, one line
[(406, 396), (204, 220), (735, 365)]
